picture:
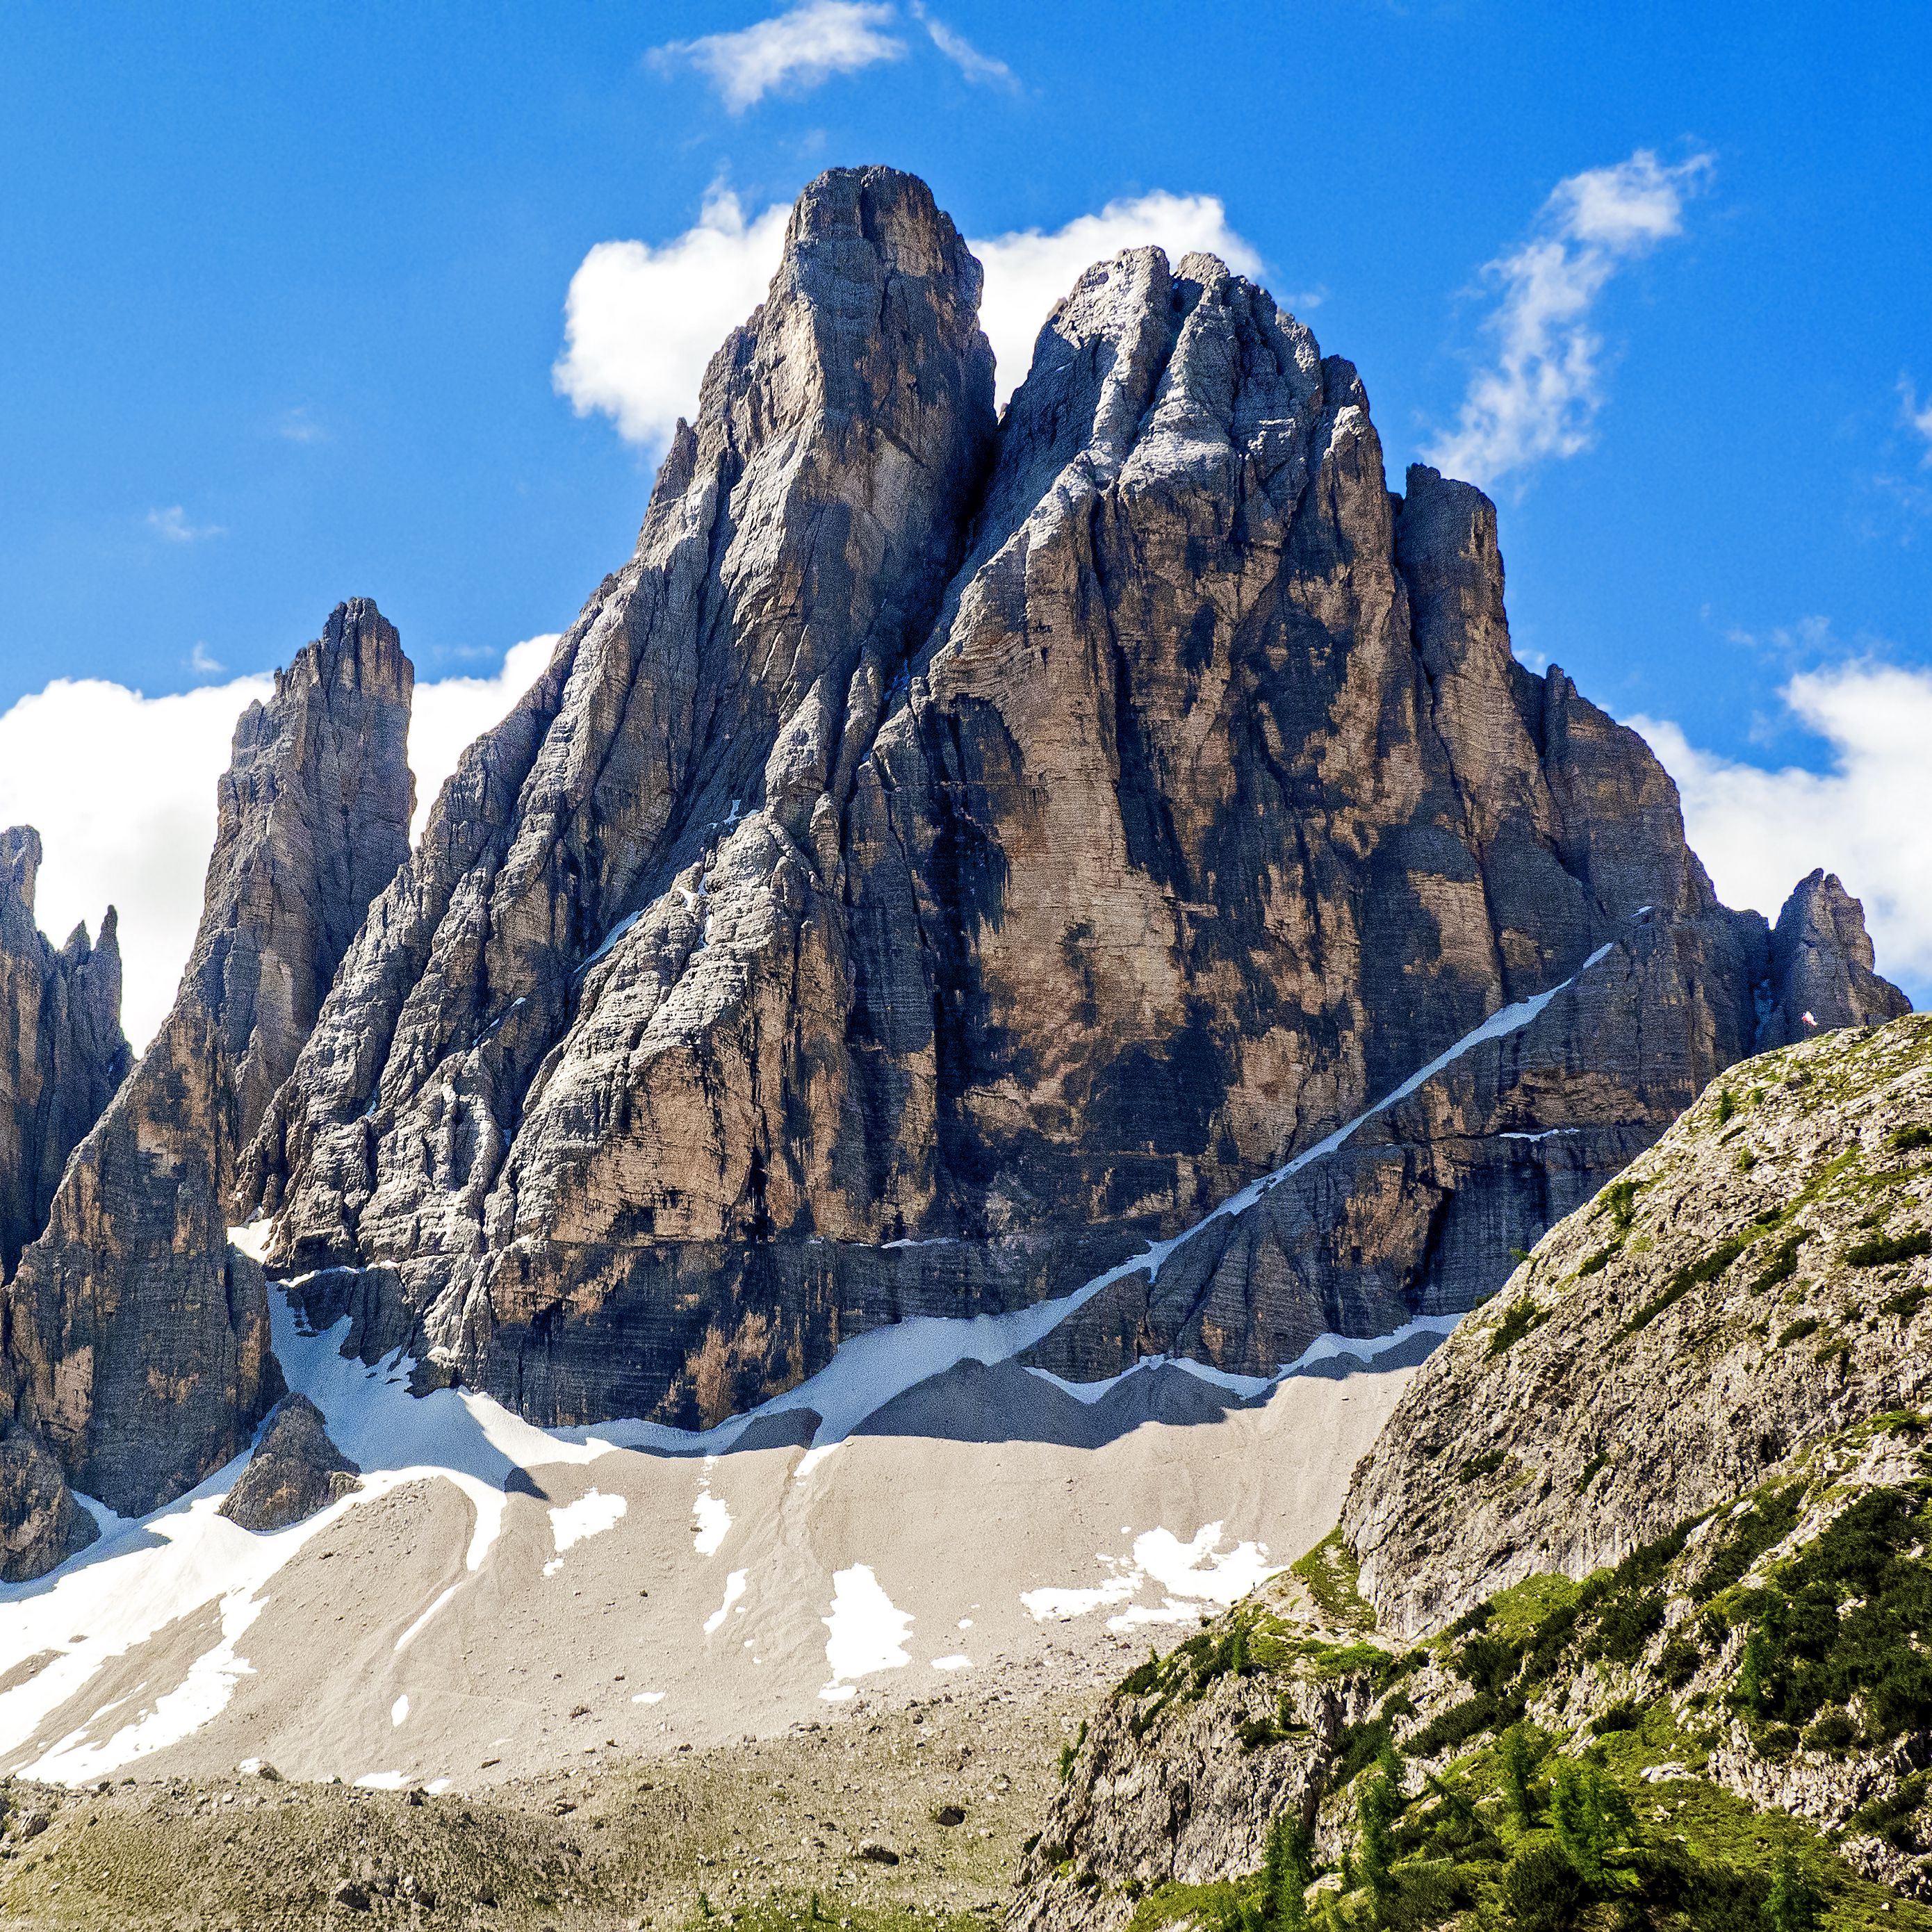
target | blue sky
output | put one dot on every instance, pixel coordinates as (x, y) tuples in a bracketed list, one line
[(282, 289)]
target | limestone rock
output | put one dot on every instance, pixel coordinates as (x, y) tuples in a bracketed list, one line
[(1821, 964), (137, 1342), (944, 859), (295, 1471), (40, 1523), (61, 1052), (1748, 1287)]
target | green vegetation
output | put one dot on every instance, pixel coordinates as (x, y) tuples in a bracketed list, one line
[(1882, 1249), (1843, 1625), (1909, 1140), (1591, 1470), (1487, 1464), (1693, 1275), (1805, 1324), (1518, 1321), (1331, 1576)]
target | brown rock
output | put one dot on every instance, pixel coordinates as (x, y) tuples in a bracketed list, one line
[(295, 1471), (937, 865), (40, 1523)]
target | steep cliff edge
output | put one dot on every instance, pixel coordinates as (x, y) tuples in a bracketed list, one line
[(946, 858), (1640, 1629), (136, 1338)]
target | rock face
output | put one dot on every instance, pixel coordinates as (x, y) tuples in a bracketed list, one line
[(1750, 1286), (40, 1523), (61, 1051), (136, 1338), (1821, 964), (295, 1470), (945, 858)]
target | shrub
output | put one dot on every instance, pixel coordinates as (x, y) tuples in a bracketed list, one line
[(1694, 1275), (1477, 1467), (1521, 1317), (1884, 1248), (1805, 1324), (1543, 1891), (1909, 1140)]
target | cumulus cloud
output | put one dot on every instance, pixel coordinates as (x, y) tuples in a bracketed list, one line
[(451, 712), (122, 787), (1028, 270), (641, 321), (791, 52), (1759, 830), (172, 526), (979, 68), (1540, 397)]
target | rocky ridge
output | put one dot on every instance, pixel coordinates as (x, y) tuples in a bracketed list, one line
[(949, 855), (1676, 1668), (136, 1337), (1748, 1287)]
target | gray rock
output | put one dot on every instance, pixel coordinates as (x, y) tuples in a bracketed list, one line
[(61, 1052), (40, 1523), (1821, 964), (137, 1339), (1669, 1345), (295, 1470), (939, 863)]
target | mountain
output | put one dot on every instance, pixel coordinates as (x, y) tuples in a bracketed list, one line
[(957, 861), (1626, 1620), (136, 1337), (951, 855)]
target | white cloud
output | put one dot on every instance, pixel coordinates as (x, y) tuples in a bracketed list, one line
[(640, 323), (172, 525), (450, 713), (1029, 271), (976, 66), (203, 662), (121, 788), (790, 52), (1759, 831), (1920, 419), (1541, 397), (297, 425)]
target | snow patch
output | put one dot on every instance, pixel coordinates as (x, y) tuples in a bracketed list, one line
[(865, 1633), (734, 1588), (399, 1710), (590, 1515), (1198, 1570)]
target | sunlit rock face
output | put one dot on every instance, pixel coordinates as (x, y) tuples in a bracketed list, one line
[(950, 854)]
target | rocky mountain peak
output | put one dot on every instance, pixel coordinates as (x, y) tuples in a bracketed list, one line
[(136, 1341), (1821, 965)]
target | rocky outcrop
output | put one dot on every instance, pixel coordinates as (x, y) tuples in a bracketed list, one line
[(136, 1338), (295, 1470), (40, 1522), (1750, 1286), (1821, 967), (943, 860), (61, 1052)]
